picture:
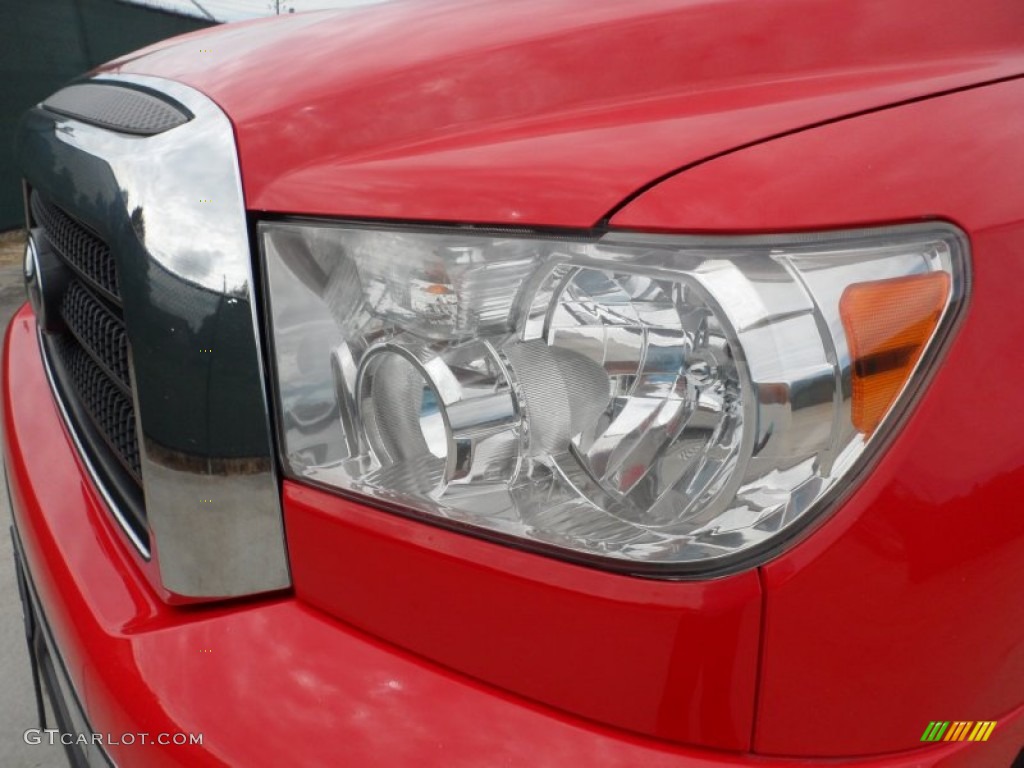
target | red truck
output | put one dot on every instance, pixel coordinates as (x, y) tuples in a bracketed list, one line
[(530, 384)]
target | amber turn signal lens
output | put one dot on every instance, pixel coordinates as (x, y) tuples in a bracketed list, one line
[(888, 324)]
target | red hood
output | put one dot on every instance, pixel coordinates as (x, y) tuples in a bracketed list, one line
[(550, 112)]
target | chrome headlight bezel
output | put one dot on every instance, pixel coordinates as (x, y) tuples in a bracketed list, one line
[(801, 246)]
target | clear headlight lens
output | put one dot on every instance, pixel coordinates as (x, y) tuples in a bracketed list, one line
[(662, 402)]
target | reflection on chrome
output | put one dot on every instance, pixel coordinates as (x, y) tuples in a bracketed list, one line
[(174, 181), (170, 206)]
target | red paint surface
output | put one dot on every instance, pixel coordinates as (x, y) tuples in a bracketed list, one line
[(900, 609), (273, 683), (268, 683), (668, 659), (549, 112), (905, 605)]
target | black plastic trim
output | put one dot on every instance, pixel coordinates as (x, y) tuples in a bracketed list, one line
[(118, 108)]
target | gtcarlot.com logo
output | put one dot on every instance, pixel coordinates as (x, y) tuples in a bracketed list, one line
[(958, 730), (55, 736)]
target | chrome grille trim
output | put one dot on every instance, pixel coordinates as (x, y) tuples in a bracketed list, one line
[(170, 207)]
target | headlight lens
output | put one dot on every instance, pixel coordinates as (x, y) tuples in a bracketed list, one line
[(659, 402)]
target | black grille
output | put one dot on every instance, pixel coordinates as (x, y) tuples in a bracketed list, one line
[(99, 331), (89, 360), (83, 251), (110, 409)]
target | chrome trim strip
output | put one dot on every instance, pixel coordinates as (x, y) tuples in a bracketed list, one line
[(171, 208), (97, 479)]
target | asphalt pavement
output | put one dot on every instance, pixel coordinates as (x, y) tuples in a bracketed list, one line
[(17, 700)]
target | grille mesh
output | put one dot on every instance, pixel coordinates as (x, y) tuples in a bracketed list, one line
[(99, 331), (89, 256), (92, 354), (110, 409)]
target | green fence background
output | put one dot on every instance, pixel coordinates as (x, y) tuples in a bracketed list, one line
[(46, 43)]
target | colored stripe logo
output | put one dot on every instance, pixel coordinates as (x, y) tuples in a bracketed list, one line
[(960, 730)]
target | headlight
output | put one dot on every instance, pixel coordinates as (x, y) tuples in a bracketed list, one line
[(658, 402)]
